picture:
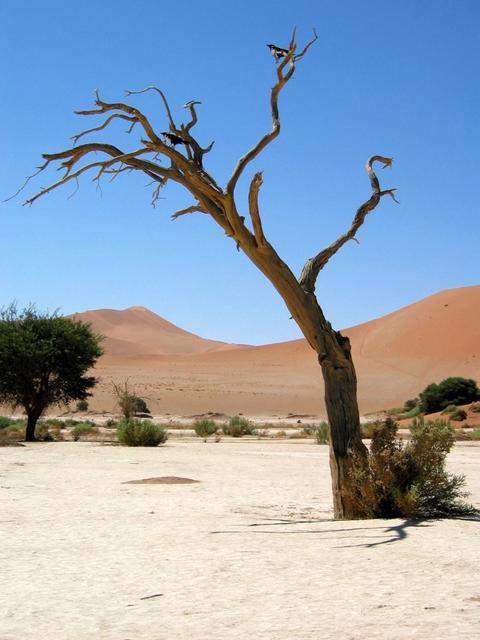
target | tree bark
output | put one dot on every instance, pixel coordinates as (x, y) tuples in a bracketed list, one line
[(32, 419), (344, 420)]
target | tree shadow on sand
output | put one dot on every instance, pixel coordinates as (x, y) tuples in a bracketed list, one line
[(382, 534)]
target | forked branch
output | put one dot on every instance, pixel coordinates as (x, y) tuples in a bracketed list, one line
[(313, 266)]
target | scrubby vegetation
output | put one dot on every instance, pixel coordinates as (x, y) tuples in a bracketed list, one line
[(408, 480), (11, 430), (138, 433), (436, 397), (129, 403), (84, 429), (82, 405), (321, 433), (238, 426), (459, 415), (204, 428)]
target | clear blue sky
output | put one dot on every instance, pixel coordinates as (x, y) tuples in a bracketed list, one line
[(390, 78)]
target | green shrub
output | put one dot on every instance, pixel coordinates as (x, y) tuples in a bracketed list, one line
[(205, 428), (474, 435), (395, 411), (455, 390), (84, 429), (138, 433), (420, 424), (409, 480), (321, 433), (11, 430), (413, 413), (411, 404), (458, 415), (369, 429), (6, 422), (82, 405), (238, 427), (450, 408), (140, 406)]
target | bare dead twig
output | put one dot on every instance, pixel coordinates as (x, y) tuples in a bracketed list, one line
[(164, 100), (122, 116), (313, 266), (254, 210), (282, 79), (192, 209)]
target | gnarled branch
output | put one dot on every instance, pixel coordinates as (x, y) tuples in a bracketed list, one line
[(313, 266), (192, 209), (104, 124), (254, 210), (282, 79)]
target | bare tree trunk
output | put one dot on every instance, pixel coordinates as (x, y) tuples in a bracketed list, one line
[(31, 424), (344, 420)]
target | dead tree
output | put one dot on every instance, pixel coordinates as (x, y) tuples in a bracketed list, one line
[(184, 165)]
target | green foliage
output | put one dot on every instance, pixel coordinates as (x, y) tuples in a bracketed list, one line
[(138, 433), (6, 422), (238, 426), (140, 406), (321, 433), (11, 430), (204, 428), (84, 429), (44, 360), (450, 408), (82, 405), (407, 480), (474, 435), (130, 404), (369, 429), (411, 404), (413, 413), (458, 415), (455, 390)]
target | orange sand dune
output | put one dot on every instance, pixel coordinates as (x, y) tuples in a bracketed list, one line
[(139, 331), (396, 356)]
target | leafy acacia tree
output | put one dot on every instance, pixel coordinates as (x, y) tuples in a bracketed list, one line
[(454, 390), (179, 157), (43, 361)]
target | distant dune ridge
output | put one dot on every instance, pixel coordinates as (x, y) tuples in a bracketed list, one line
[(180, 373)]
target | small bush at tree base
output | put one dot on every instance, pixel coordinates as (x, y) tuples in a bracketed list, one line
[(205, 428), (238, 427), (137, 433), (407, 480), (369, 429)]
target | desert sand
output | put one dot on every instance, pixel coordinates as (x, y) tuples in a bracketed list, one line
[(247, 551), (395, 356)]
